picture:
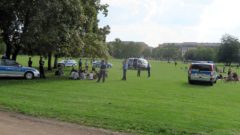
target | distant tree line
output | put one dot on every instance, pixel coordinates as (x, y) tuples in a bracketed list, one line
[(53, 28), (227, 52), (121, 49)]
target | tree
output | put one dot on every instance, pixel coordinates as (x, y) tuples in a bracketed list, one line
[(168, 52), (124, 49), (229, 50), (201, 54), (50, 27), (66, 27)]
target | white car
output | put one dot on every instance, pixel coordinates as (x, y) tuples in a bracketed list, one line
[(68, 63), (134, 62), (202, 72), (97, 64)]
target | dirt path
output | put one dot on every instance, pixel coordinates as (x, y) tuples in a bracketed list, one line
[(16, 124)]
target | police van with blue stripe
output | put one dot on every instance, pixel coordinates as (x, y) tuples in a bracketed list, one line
[(11, 69), (202, 72)]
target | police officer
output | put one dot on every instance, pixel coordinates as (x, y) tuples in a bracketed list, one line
[(138, 70), (41, 68), (149, 69), (102, 72), (80, 64), (125, 68), (30, 62)]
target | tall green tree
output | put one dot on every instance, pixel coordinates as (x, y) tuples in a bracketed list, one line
[(229, 50), (66, 27)]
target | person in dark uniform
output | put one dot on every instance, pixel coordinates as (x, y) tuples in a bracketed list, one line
[(102, 72), (125, 68), (41, 68), (80, 64), (30, 62), (138, 70), (149, 69), (175, 63)]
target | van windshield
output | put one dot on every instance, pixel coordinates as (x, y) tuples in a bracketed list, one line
[(202, 67)]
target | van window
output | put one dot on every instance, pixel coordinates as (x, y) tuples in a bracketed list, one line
[(201, 67)]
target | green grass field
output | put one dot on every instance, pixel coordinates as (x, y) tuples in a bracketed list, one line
[(162, 104)]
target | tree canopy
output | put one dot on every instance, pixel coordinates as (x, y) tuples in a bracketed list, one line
[(229, 51), (69, 27)]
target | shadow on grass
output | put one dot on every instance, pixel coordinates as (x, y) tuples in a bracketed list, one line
[(21, 81), (196, 85)]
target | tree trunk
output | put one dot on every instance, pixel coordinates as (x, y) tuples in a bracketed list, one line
[(8, 51), (15, 53), (49, 61), (55, 61), (8, 46)]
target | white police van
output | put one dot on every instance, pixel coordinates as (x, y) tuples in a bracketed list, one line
[(202, 72)]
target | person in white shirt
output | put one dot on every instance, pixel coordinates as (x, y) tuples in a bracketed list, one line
[(91, 76)]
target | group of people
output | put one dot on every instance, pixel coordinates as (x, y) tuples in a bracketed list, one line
[(82, 74), (139, 69), (92, 75), (232, 76)]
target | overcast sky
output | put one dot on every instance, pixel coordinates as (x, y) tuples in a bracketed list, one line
[(160, 21)]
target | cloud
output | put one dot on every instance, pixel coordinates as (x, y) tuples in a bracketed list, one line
[(158, 21)]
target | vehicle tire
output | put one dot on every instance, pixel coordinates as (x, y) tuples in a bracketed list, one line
[(211, 83), (29, 76), (190, 82)]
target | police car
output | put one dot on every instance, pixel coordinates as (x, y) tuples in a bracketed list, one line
[(202, 72), (11, 69)]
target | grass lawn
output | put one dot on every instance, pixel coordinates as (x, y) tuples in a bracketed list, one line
[(162, 104)]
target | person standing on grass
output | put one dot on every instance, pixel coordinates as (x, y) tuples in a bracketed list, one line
[(138, 70), (80, 64), (149, 69), (102, 72), (125, 68), (30, 62), (41, 68)]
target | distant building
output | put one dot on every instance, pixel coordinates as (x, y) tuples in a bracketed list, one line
[(186, 46)]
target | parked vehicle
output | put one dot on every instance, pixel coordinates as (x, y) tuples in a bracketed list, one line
[(11, 69), (202, 72), (134, 62), (97, 64), (68, 63)]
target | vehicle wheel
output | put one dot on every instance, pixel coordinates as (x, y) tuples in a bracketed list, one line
[(211, 83), (29, 76), (190, 82)]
